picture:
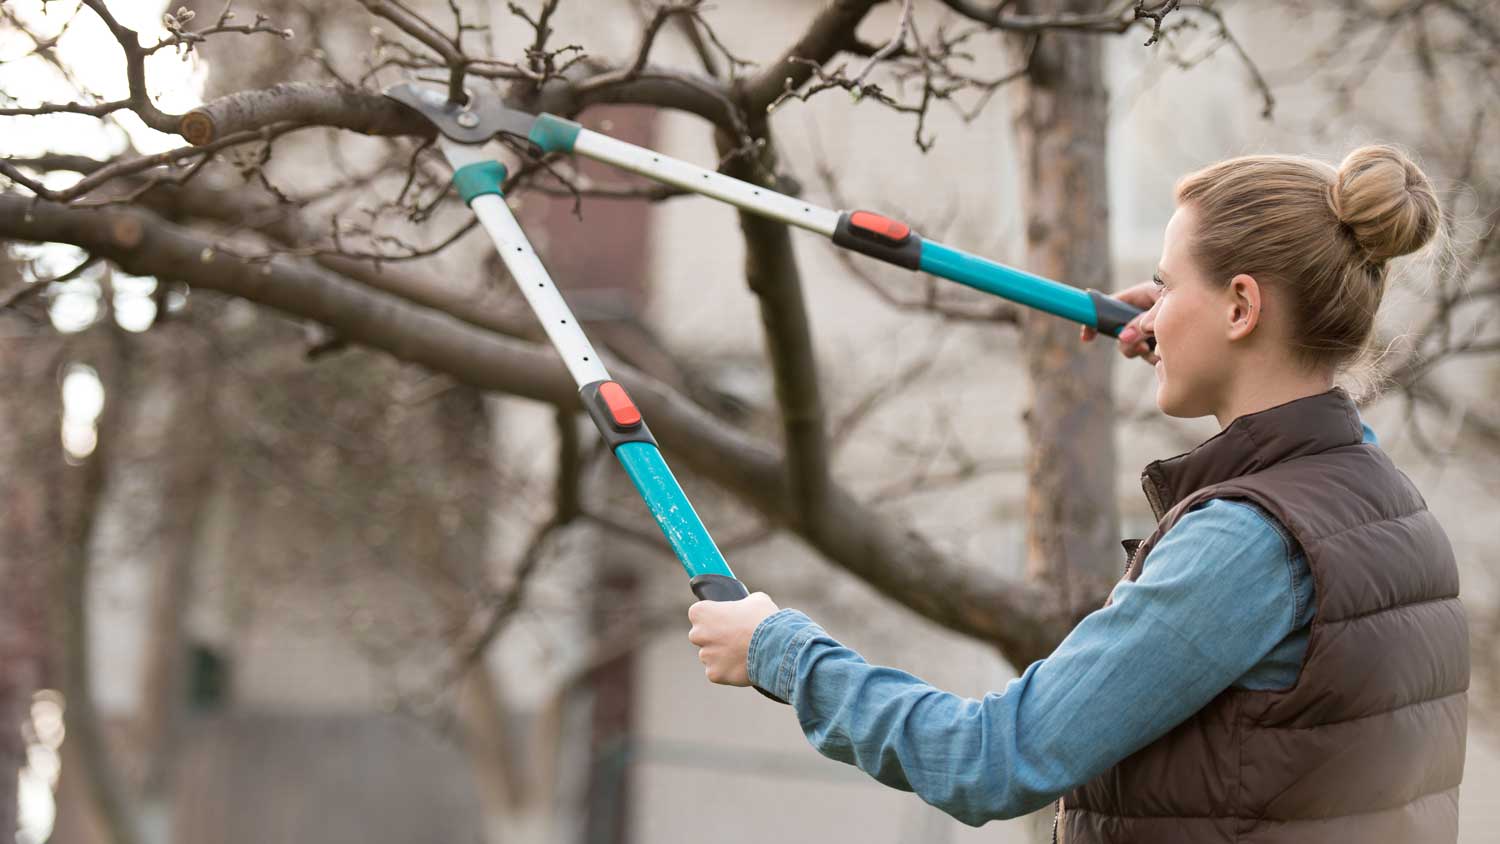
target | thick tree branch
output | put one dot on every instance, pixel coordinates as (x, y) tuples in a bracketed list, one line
[(370, 113), (773, 276), (1023, 621), (307, 103), (1113, 21), (283, 226)]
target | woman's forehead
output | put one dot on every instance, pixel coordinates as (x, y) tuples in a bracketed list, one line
[(1175, 240)]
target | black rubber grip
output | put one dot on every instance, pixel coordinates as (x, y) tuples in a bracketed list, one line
[(1111, 316), (717, 587)]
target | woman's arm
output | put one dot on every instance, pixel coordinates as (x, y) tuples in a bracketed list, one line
[(1217, 594)]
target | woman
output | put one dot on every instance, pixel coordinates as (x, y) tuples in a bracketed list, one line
[(1285, 659)]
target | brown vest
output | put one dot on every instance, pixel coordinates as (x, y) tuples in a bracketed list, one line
[(1368, 744)]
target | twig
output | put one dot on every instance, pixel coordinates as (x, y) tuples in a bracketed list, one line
[(419, 28)]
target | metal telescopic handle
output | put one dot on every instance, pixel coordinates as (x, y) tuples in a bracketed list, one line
[(865, 232), (610, 407)]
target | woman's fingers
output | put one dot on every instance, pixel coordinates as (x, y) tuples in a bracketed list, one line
[(1132, 338), (1133, 343)]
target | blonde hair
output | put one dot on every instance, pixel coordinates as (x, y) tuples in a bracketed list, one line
[(1322, 235)]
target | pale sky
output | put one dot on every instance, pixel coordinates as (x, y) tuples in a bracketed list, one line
[(97, 64)]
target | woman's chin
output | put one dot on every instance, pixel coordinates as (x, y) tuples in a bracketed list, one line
[(1166, 402)]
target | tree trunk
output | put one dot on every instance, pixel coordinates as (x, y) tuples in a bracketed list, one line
[(31, 475), (187, 446), (101, 347), (1071, 515), (1061, 122)]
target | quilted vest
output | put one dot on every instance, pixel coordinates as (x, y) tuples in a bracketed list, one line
[(1368, 744)]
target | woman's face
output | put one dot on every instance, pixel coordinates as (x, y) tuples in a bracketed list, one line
[(1194, 367)]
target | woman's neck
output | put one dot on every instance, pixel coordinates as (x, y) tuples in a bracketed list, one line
[(1269, 391)]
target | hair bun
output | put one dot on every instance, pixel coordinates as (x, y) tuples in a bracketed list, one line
[(1386, 201)]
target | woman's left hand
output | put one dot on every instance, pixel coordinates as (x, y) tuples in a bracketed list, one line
[(722, 631)]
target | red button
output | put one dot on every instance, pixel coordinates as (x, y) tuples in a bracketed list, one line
[(877, 225), (621, 408)]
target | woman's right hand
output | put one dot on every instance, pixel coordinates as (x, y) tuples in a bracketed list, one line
[(1133, 337)]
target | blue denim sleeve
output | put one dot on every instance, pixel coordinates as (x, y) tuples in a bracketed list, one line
[(1215, 596)]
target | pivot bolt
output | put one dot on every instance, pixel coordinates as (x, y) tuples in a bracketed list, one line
[(467, 119)]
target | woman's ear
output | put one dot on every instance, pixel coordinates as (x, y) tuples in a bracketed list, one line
[(1243, 307)]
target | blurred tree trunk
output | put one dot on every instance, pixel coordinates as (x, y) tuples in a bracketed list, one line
[(181, 447), (1062, 112), (100, 346), (32, 472)]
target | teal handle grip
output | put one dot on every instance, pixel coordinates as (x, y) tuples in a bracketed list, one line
[(695, 549), (1018, 286), (674, 514), (1106, 314)]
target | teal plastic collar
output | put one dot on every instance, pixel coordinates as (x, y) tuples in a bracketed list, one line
[(478, 179), (553, 133)]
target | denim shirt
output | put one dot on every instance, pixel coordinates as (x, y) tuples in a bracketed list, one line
[(1224, 599)]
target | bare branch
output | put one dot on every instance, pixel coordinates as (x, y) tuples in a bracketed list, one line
[(135, 71), (180, 157), (185, 39), (830, 32), (700, 35), (419, 28), (566, 508), (1116, 21), (1025, 622), (897, 40), (25, 289)]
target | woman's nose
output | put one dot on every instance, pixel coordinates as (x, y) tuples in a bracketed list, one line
[(1148, 320)]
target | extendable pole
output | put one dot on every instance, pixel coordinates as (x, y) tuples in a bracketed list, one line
[(478, 179), (865, 232)]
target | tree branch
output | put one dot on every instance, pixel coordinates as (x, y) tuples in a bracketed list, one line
[(307, 103), (772, 274), (135, 71), (830, 32), (419, 28), (1023, 621), (370, 113)]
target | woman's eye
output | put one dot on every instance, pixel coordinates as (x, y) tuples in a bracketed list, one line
[(1156, 279)]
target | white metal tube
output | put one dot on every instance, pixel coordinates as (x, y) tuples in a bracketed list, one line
[(662, 168), (526, 268)]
